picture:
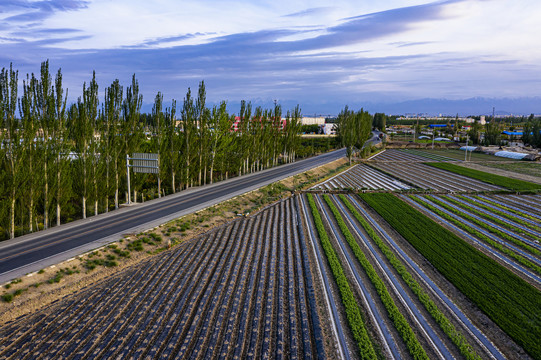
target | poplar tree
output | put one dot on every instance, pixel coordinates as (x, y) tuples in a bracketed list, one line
[(27, 113), (188, 128), (112, 111), (221, 127), (44, 98), (158, 118), (60, 145), (12, 141), (171, 144), (131, 129), (201, 115)]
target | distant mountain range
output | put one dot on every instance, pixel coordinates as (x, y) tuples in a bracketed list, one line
[(430, 107)]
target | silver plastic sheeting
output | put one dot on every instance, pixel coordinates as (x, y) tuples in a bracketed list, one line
[(511, 155)]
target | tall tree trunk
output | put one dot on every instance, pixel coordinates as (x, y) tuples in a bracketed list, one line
[(58, 193), (30, 212), (31, 207), (12, 214), (116, 183), (84, 188), (84, 207), (107, 186), (45, 196)]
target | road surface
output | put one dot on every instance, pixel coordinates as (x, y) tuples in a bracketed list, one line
[(36, 251)]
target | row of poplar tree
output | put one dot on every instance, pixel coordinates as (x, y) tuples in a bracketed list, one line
[(62, 162), (354, 128)]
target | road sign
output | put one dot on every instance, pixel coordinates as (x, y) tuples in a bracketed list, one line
[(143, 163)]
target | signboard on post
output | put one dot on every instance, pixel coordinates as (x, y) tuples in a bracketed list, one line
[(143, 163)]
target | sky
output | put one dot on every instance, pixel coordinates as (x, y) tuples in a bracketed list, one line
[(394, 55)]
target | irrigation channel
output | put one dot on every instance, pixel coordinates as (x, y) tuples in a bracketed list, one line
[(244, 290)]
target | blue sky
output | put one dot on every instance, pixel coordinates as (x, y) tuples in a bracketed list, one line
[(321, 56)]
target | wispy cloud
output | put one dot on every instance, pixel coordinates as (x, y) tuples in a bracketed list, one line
[(309, 12), (398, 52)]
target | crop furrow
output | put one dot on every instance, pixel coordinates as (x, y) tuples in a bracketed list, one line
[(183, 323), (54, 341), (207, 346), (146, 310), (266, 318), (90, 336), (159, 330), (308, 328), (201, 333), (235, 338)]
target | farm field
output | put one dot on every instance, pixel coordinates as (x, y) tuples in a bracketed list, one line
[(458, 155), (394, 155), (362, 177), (497, 180), (521, 167), (429, 178), (450, 267), (512, 238), (243, 290), (509, 301), (406, 313)]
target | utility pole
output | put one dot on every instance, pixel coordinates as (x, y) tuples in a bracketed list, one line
[(467, 140), (128, 173)]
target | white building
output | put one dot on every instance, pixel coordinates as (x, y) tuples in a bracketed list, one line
[(320, 120), (329, 129)]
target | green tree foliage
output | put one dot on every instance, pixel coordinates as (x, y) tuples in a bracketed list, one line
[(61, 162), (475, 133), (12, 140), (379, 122), (532, 132), (353, 129), (493, 133)]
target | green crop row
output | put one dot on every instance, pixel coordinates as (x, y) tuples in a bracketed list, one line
[(509, 301), (511, 184), (399, 321), (456, 337), (353, 312), (480, 236), (482, 214), (484, 225), (501, 213), (507, 208)]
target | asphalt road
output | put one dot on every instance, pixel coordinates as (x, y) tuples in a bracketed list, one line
[(36, 251)]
